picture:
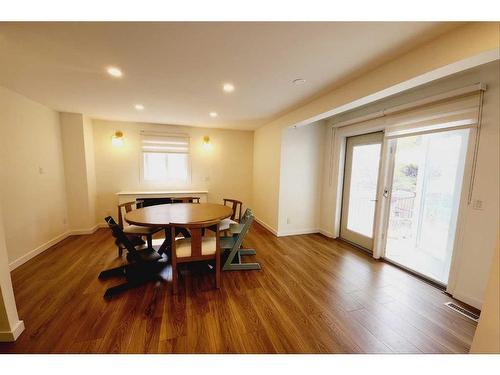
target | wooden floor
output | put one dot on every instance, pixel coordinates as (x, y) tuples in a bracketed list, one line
[(313, 295)]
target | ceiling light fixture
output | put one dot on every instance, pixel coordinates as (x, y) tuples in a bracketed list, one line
[(228, 87), (114, 71), (213, 114), (139, 107), (299, 81)]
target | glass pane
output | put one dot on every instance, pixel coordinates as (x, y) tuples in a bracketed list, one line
[(363, 188), (426, 190), (178, 168), (155, 166)]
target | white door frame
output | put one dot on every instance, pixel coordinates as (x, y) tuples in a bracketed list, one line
[(340, 136), (347, 234)]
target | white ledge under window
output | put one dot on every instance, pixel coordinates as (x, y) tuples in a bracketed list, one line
[(127, 196)]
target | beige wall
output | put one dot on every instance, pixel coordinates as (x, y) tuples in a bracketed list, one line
[(88, 140), (456, 45), (301, 178), (487, 336), (78, 152), (225, 170), (266, 175), (32, 192)]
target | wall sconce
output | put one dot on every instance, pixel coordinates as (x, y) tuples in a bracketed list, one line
[(206, 143), (117, 139)]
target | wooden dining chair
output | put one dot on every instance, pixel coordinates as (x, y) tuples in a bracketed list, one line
[(134, 230), (196, 248), (235, 215), (236, 206), (186, 200)]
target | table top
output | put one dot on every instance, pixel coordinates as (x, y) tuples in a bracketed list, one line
[(180, 213)]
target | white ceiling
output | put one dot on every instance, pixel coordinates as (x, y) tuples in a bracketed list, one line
[(176, 70)]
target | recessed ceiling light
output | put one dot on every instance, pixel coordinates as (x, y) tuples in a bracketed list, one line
[(228, 87), (299, 81), (213, 114), (114, 71), (139, 107)]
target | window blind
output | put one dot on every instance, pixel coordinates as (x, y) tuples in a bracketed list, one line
[(164, 143), (459, 108), (452, 113)]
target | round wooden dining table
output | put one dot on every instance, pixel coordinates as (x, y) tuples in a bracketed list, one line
[(164, 215)]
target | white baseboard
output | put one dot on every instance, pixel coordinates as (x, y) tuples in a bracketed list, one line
[(474, 302), (40, 249), (297, 232), (79, 232), (267, 226), (9, 336), (326, 233)]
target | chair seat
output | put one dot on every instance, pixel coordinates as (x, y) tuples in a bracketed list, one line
[(226, 223), (183, 246), (136, 229)]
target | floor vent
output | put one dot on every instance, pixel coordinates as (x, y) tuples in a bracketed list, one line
[(461, 310)]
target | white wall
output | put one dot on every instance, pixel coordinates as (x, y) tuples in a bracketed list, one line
[(300, 179), (477, 239), (10, 325), (32, 192), (450, 48), (225, 170)]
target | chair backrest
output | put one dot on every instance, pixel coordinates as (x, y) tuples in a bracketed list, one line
[(186, 200), (246, 216), (121, 238), (196, 230), (236, 206), (247, 221), (128, 206)]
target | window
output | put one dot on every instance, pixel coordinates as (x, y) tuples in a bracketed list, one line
[(165, 158)]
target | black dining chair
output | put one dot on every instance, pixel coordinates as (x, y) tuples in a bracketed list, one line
[(144, 263)]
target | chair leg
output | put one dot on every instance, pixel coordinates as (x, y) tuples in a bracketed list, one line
[(120, 252), (174, 278), (113, 272), (113, 291), (149, 238), (217, 270)]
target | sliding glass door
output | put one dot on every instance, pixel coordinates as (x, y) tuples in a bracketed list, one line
[(424, 200)]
